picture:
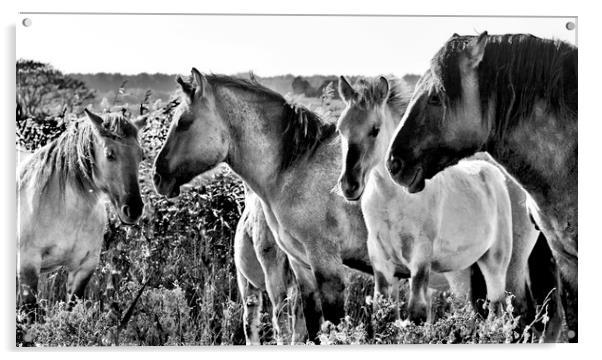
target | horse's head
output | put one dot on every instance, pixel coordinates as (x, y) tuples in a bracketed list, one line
[(117, 155), (444, 121), (363, 143), (197, 140)]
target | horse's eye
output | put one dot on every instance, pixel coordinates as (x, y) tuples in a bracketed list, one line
[(374, 131), (110, 155), (434, 100)]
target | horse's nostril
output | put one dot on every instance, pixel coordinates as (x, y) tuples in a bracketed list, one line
[(353, 186), (394, 164), (126, 210), (157, 178)]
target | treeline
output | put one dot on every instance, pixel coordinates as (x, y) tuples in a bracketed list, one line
[(108, 85)]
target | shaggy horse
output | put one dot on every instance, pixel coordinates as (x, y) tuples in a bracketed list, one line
[(61, 192), (514, 96)]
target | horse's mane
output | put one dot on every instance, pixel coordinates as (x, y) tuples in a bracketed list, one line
[(303, 130), (516, 71), (368, 94), (70, 158)]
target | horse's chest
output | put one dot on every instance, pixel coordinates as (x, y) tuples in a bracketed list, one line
[(394, 232), (284, 238), (72, 239)]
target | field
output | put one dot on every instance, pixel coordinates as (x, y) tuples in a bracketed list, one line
[(170, 279)]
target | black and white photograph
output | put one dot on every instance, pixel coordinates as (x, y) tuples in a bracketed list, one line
[(211, 179)]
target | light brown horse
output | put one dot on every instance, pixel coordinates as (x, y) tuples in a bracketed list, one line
[(514, 96), (261, 265), (463, 218), (454, 214), (290, 159), (61, 192)]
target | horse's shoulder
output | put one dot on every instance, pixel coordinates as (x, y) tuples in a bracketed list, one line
[(476, 178), (479, 170)]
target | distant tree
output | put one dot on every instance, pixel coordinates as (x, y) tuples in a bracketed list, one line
[(301, 86), (411, 79), (43, 90)]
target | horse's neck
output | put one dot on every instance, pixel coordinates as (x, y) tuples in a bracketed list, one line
[(254, 152), (388, 126), (539, 151), (67, 204)]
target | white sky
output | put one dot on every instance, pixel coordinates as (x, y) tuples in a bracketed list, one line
[(267, 45)]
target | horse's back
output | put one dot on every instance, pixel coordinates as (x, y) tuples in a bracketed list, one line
[(476, 185)]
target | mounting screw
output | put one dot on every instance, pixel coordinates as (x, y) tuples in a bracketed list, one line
[(570, 25), (27, 22)]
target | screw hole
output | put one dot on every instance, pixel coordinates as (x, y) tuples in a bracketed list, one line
[(27, 22)]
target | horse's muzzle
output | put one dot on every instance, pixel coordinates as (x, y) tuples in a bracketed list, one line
[(130, 212), (169, 188), (350, 189), (411, 177)]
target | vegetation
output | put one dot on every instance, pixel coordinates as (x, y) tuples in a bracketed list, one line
[(170, 279)]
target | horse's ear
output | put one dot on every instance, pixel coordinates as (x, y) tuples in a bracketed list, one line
[(186, 88), (199, 82), (141, 122), (95, 119), (346, 90), (382, 90), (97, 122), (476, 49)]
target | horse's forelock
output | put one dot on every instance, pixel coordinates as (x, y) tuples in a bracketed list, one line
[(370, 96)]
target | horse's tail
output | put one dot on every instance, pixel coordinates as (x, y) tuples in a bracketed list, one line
[(544, 282), (478, 290)]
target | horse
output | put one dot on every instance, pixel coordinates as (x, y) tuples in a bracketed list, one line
[(289, 157), (464, 218), (514, 96), (261, 265), (61, 192), (414, 231)]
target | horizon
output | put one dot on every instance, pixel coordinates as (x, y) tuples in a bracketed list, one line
[(268, 46)]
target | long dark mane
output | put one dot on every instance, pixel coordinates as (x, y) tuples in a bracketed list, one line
[(517, 70), (303, 130), (69, 159)]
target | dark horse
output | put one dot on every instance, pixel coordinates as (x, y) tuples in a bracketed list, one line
[(514, 96)]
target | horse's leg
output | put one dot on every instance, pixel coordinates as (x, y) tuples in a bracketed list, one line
[(29, 274), (418, 305), (568, 278), (80, 273), (312, 306), (296, 304), (76, 284), (385, 282), (330, 277), (545, 281), (493, 265), (252, 303), (278, 280)]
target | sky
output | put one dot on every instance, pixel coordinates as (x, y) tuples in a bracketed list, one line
[(267, 45)]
